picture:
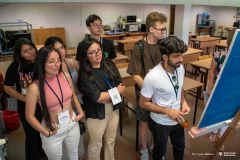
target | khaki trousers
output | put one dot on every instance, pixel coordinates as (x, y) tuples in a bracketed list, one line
[(107, 129)]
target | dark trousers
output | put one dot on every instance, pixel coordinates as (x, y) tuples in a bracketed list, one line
[(160, 138), (33, 143)]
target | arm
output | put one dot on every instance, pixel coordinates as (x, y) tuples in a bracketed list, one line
[(185, 107), (76, 101), (172, 113), (31, 102), (211, 75), (105, 96), (76, 64), (10, 90), (138, 79)]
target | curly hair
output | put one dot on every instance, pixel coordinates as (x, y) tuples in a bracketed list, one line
[(172, 45)]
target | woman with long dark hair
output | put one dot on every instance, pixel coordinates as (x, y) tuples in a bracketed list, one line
[(71, 66), (101, 84), (53, 91), (20, 73)]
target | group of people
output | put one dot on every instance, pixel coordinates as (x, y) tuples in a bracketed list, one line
[(57, 87)]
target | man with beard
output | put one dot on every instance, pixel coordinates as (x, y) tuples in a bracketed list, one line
[(140, 65), (163, 85)]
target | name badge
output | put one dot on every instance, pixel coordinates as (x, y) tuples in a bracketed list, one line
[(176, 105), (115, 96), (64, 119)]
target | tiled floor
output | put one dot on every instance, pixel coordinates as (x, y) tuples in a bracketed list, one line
[(125, 145)]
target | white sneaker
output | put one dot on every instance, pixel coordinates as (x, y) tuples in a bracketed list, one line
[(144, 154)]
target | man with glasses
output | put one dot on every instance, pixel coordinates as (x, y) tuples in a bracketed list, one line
[(94, 25), (163, 85), (140, 66)]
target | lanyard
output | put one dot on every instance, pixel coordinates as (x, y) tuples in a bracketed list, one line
[(101, 42), (171, 80), (55, 93), (69, 71), (151, 54), (106, 80)]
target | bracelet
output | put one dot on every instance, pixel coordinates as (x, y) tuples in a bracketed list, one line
[(49, 134)]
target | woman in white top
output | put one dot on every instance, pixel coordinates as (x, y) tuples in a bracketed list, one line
[(71, 66)]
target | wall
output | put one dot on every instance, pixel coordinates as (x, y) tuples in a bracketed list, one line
[(223, 16), (72, 16)]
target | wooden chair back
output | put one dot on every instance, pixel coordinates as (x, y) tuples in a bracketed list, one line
[(223, 41), (138, 37), (121, 65), (128, 38), (206, 35), (203, 57)]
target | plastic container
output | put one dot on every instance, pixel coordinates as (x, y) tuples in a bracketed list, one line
[(11, 119), (184, 123)]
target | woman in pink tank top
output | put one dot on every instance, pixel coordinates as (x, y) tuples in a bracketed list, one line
[(53, 90)]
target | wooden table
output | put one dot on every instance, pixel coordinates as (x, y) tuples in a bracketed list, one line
[(4, 66), (202, 67), (191, 55), (126, 46), (71, 52), (206, 41), (192, 35), (205, 29), (113, 37), (121, 58), (144, 34)]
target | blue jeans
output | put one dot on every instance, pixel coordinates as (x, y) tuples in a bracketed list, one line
[(160, 138)]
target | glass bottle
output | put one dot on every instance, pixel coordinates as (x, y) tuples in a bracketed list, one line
[(184, 123)]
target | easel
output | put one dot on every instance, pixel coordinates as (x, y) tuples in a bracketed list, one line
[(233, 125)]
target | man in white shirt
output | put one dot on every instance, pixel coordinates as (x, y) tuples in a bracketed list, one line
[(163, 84)]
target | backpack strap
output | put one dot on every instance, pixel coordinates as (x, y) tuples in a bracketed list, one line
[(141, 47)]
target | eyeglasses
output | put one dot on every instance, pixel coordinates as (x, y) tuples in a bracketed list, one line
[(176, 86), (52, 62), (94, 53), (97, 25), (162, 29)]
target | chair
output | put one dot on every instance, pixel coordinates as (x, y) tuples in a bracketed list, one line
[(223, 41), (197, 43), (221, 31), (121, 65), (137, 37), (203, 57), (199, 36), (125, 38), (206, 36)]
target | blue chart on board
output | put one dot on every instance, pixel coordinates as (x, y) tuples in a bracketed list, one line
[(225, 99)]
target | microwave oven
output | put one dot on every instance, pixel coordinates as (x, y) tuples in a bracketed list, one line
[(131, 27)]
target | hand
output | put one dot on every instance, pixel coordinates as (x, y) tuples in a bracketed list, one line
[(121, 88), (77, 91), (51, 132), (209, 91), (185, 109), (175, 114), (77, 118)]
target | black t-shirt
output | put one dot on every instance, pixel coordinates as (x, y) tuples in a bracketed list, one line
[(93, 91), (107, 46), (22, 77)]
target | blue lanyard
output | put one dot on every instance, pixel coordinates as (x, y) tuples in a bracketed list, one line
[(151, 54), (171, 80), (106, 80), (55, 93), (69, 71)]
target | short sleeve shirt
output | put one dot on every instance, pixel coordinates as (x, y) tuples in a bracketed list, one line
[(22, 77), (135, 64)]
